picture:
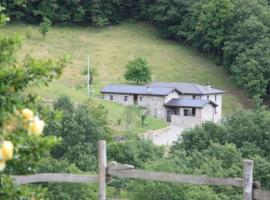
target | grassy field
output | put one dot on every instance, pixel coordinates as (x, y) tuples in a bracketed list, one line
[(110, 48)]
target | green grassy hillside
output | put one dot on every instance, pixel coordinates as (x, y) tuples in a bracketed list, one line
[(110, 48)]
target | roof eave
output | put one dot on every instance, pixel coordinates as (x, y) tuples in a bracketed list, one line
[(132, 93)]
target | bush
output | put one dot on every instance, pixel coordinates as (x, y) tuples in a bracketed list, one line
[(45, 26), (134, 152), (80, 128)]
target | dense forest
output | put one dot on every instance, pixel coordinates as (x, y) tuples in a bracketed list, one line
[(235, 32)]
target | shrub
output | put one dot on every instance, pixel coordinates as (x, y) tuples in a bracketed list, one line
[(45, 26)]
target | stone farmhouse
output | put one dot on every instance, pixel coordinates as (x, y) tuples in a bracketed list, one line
[(182, 104)]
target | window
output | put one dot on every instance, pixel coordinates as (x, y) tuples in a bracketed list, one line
[(190, 112), (125, 98), (111, 97), (194, 97), (215, 97), (207, 97), (193, 111), (199, 97), (140, 98)]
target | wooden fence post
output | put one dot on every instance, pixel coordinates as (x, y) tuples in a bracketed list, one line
[(247, 179), (102, 166)]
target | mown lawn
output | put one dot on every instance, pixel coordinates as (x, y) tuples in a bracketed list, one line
[(110, 48)]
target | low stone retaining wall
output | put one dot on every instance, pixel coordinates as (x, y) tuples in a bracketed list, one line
[(154, 132), (185, 121)]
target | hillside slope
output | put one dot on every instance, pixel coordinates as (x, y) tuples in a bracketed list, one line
[(110, 48)]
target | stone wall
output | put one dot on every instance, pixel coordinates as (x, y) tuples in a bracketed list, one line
[(154, 105), (186, 121), (120, 98)]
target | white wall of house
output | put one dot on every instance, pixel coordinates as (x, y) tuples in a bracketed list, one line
[(182, 96), (217, 98), (208, 113), (172, 95)]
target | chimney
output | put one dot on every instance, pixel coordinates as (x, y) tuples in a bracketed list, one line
[(208, 85), (148, 89)]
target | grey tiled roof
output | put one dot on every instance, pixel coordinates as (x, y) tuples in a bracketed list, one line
[(188, 88), (191, 103), (136, 89)]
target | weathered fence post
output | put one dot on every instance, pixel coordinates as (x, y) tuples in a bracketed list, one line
[(247, 179), (102, 165)]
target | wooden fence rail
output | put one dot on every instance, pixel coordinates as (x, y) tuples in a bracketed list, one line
[(251, 190), (55, 177), (128, 172)]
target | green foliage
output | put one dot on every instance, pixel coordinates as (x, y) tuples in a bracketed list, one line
[(11, 191), (253, 73), (80, 128), (3, 17), (212, 20), (217, 160), (138, 70), (135, 152), (247, 130), (63, 191), (131, 118), (28, 150), (45, 26), (226, 29)]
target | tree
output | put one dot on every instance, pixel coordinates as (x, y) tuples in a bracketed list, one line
[(251, 69), (138, 70), (80, 127), (45, 26), (168, 15), (20, 126), (247, 130)]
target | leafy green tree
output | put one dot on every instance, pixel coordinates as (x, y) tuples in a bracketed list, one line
[(45, 26), (251, 68), (167, 15), (138, 70), (80, 128), (18, 125), (242, 37), (212, 22)]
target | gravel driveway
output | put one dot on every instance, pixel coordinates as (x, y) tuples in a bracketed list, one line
[(168, 136)]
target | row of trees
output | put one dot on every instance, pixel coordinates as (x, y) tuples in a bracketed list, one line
[(235, 32), (83, 11)]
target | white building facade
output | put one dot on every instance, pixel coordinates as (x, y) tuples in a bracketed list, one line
[(182, 104)]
